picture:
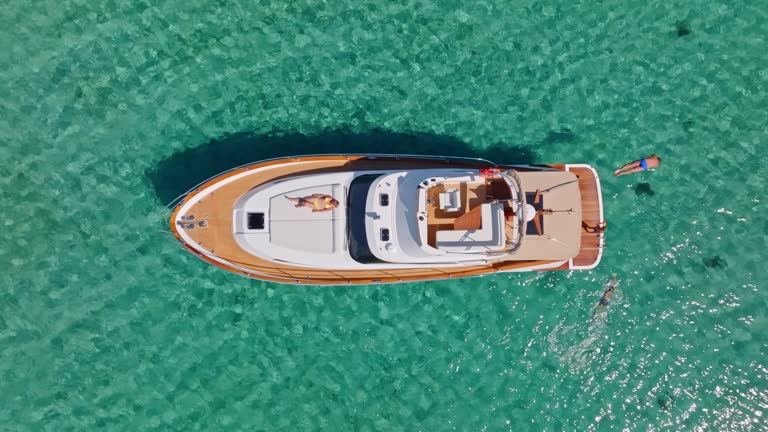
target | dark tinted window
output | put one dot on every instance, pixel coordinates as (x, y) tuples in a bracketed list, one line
[(255, 221), (358, 241)]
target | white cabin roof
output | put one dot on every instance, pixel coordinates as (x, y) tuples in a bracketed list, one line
[(292, 234)]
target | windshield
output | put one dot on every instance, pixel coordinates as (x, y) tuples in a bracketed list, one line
[(519, 207), (356, 200)]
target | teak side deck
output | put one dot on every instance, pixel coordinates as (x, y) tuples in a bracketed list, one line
[(591, 247), (218, 230)]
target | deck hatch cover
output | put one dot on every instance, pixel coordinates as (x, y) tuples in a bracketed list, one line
[(256, 221)]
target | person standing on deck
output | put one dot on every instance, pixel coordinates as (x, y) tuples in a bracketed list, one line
[(643, 164)]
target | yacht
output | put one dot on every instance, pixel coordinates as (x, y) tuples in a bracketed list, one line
[(369, 219)]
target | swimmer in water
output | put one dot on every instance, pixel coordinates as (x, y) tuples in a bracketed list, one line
[(643, 164), (611, 286)]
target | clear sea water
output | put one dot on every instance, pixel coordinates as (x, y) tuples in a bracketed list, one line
[(109, 109)]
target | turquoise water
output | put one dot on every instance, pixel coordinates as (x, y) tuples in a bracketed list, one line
[(108, 110)]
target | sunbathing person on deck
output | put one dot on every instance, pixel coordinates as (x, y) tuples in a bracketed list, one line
[(597, 229), (317, 202)]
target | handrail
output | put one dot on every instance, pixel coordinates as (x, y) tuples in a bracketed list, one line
[(298, 159), (512, 175)]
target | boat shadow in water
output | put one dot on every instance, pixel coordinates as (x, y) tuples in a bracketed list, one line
[(181, 171)]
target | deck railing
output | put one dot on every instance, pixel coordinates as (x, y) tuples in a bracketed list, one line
[(370, 156)]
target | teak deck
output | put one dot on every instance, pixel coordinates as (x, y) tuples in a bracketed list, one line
[(591, 243), (467, 217), (217, 234)]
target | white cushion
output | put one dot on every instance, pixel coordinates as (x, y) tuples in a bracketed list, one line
[(449, 200)]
